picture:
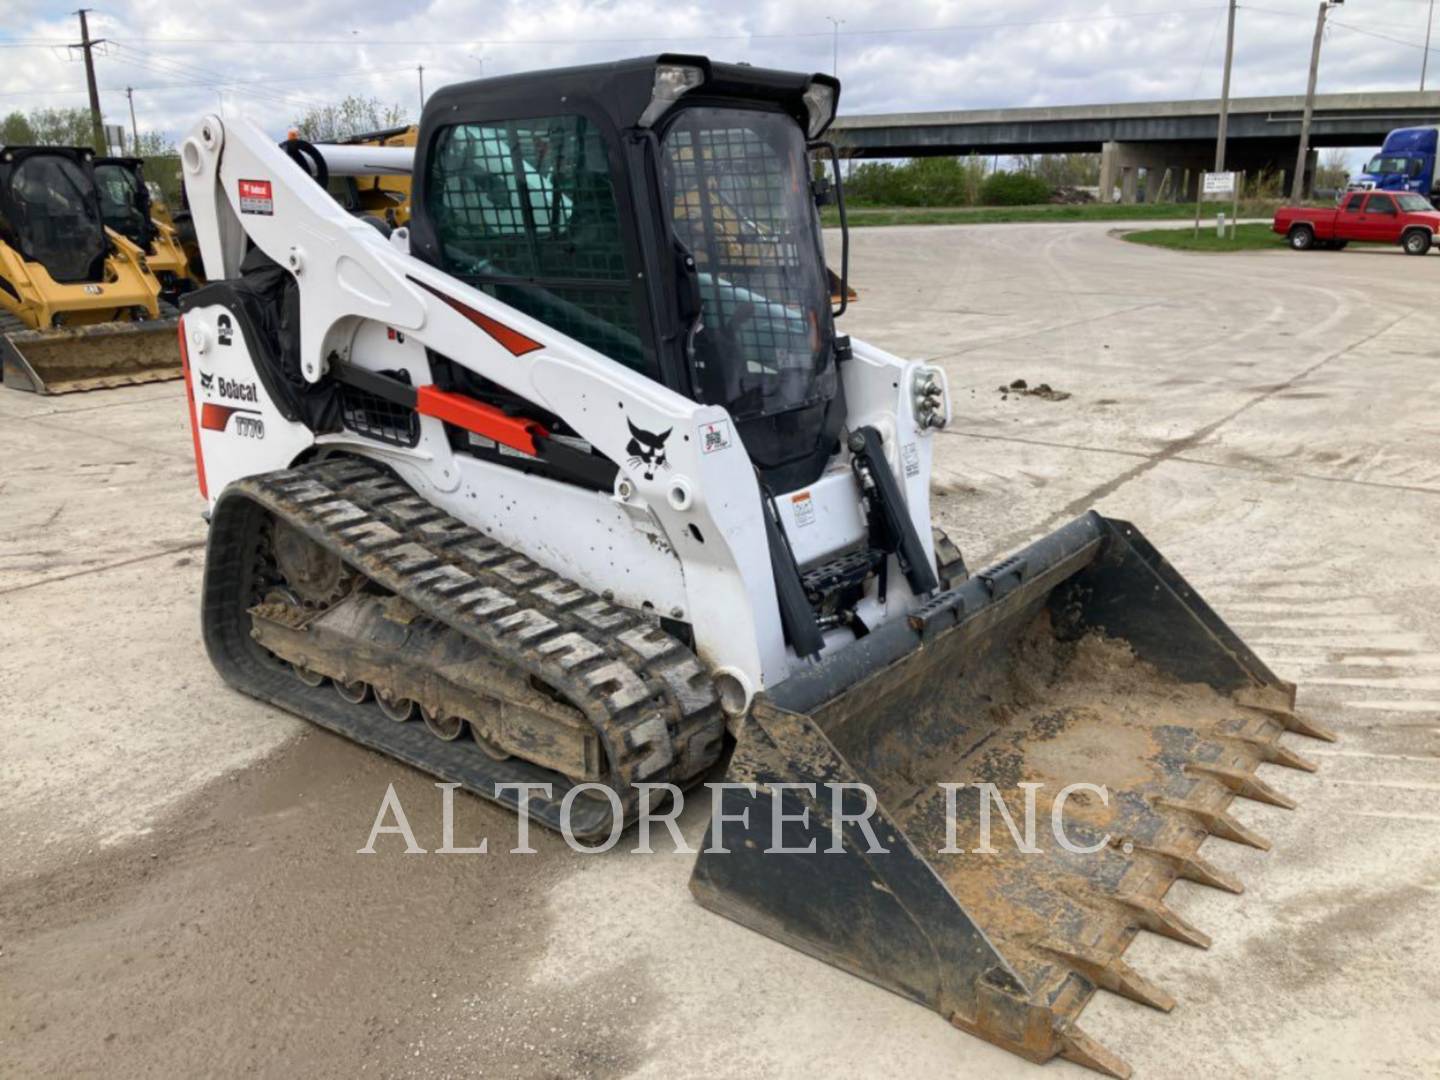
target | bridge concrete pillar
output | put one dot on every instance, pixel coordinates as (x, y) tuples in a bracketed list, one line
[(1129, 183), (1109, 170), (1121, 165)]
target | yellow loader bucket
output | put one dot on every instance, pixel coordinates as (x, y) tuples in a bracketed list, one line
[(91, 357), (1085, 659)]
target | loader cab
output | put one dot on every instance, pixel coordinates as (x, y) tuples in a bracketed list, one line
[(125, 199), (50, 211), (662, 212)]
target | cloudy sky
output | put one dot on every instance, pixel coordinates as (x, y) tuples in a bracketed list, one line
[(274, 58)]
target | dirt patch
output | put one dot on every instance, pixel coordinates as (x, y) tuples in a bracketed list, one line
[(944, 489), (245, 934), (1318, 926), (1010, 703), (1020, 388)]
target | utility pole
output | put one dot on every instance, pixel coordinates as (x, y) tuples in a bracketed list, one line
[(134, 129), (96, 121), (1225, 91), (835, 47), (420, 68), (1425, 57), (1297, 189)]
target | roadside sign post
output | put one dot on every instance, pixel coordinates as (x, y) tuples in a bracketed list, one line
[(1215, 186), (1235, 202)]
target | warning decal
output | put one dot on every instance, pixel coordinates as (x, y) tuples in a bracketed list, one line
[(911, 455), (256, 197), (804, 508), (715, 436)]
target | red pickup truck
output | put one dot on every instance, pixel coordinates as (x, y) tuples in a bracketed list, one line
[(1367, 217)]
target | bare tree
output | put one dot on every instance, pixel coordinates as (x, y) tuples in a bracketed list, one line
[(1334, 169), (352, 116)]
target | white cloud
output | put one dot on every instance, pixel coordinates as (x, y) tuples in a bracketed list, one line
[(274, 58)]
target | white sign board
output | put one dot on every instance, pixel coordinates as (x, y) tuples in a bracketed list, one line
[(1219, 183)]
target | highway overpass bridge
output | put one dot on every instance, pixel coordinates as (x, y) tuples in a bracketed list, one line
[(1139, 141)]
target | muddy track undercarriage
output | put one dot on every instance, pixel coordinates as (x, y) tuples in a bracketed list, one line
[(337, 573)]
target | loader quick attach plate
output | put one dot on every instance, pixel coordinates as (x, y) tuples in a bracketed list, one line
[(1084, 659), (91, 357)]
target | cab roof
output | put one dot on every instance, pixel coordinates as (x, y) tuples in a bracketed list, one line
[(620, 89)]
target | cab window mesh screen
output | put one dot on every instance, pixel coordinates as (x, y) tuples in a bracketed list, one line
[(737, 186), (525, 210)]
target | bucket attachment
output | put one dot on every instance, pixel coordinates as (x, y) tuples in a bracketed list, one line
[(1084, 659), (91, 357)]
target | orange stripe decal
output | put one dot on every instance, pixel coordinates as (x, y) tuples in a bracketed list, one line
[(512, 431), (215, 417), (516, 343), (194, 425)]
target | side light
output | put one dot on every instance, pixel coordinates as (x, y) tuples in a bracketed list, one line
[(671, 81), (820, 102)]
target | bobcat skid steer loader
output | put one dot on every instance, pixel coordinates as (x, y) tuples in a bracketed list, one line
[(79, 305), (573, 482)]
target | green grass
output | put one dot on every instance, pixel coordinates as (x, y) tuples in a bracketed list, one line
[(1254, 237), (861, 216)]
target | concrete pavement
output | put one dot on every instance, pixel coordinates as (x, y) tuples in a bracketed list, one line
[(180, 889)]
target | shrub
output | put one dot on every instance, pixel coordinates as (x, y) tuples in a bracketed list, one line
[(937, 181), (1013, 189)]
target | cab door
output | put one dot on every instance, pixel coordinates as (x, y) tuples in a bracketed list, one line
[(1380, 220), (1348, 221)]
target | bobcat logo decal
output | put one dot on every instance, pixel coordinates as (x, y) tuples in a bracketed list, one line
[(207, 380), (647, 450)]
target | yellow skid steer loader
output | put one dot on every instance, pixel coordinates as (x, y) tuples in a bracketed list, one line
[(127, 208), (79, 307)]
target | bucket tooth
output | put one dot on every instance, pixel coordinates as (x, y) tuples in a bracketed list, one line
[(1080, 1048), (1217, 822), (1245, 784), (1191, 867), (1288, 718), (1085, 654), (1301, 726), (1272, 752), (1111, 974), (1159, 918)]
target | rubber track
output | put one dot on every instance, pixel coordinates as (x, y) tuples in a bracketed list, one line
[(648, 696)]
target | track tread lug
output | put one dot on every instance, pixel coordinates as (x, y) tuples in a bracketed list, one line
[(648, 641), (649, 697), (369, 534), (526, 624), (603, 615)]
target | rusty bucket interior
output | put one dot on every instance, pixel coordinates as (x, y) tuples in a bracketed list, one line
[(91, 357), (1086, 660)]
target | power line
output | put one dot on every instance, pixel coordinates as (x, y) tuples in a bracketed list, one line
[(1205, 57), (221, 84), (700, 35), (208, 79), (1307, 16), (1383, 37)]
